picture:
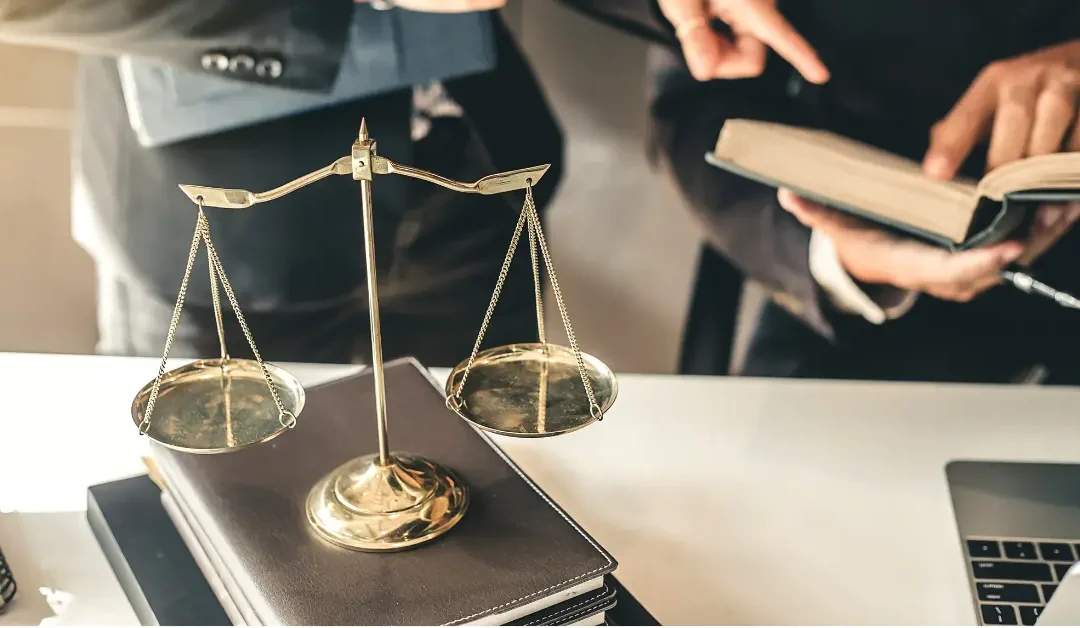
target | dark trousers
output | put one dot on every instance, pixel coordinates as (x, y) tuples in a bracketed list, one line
[(1000, 338), (298, 262)]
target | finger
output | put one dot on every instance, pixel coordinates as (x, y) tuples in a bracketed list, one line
[(837, 225), (743, 60), (1013, 122), (701, 46), (962, 273), (704, 50), (767, 25), (953, 138), (808, 212), (1055, 109)]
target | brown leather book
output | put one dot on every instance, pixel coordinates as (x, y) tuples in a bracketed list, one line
[(513, 548)]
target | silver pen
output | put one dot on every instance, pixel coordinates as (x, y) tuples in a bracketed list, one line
[(1026, 283)]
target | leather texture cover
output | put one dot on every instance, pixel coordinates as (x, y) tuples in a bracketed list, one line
[(512, 547), (148, 557)]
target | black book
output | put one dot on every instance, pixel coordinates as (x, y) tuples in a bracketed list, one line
[(514, 552), (168, 586)]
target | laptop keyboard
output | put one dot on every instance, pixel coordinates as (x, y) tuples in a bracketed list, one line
[(1014, 578)]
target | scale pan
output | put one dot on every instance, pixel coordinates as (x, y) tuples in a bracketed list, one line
[(531, 390), (218, 406)]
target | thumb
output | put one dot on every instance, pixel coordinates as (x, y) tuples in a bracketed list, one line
[(971, 266)]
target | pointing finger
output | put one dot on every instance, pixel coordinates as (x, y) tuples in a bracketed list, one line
[(766, 24), (702, 48)]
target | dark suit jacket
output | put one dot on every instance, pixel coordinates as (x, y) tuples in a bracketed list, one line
[(307, 37), (305, 248), (897, 67)]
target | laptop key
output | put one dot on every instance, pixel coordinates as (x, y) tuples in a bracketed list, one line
[(1060, 552), (1000, 570), (1002, 614), (1007, 592), (983, 549), (1029, 614), (1048, 591), (1020, 550), (1060, 570)]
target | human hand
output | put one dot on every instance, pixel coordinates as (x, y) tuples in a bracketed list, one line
[(874, 256), (1026, 106), (756, 25)]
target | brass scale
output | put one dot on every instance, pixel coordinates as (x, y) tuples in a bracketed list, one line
[(388, 500)]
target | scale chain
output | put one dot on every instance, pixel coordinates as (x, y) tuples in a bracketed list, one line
[(285, 417), (541, 332), (216, 298), (534, 218), (172, 325), (530, 216), (454, 401)]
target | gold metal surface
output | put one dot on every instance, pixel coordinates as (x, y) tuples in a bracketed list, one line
[(212, 406), (226, 198), (364, 148), (491, 184), (365, 505), (531, 390), (216, 406), (384, 501), (534, 389)]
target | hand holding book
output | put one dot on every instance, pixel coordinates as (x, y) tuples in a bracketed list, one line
[(756, 25), (1026, 109)]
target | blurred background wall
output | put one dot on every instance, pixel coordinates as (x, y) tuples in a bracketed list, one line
[(624, 248)]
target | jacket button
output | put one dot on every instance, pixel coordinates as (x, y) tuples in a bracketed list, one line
[(215, 62), (241, 63), (269, 68)]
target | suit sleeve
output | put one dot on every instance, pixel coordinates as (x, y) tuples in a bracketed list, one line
[(296, 44), (742, 219)]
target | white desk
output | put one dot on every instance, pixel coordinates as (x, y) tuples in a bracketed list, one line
[(724, 500)]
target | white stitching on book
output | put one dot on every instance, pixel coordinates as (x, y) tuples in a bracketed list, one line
[(578, 605), (542, 495)]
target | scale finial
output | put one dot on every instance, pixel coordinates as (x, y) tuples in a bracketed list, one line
[(363, 129)]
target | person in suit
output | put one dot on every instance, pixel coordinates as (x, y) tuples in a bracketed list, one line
[(455, 95), (961, 87)]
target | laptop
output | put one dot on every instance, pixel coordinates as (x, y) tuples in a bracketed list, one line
[(1019, 524)]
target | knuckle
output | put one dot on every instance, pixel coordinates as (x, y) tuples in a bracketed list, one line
[(1064, 75), (1015, 96), (1057, 98), (994, 71)]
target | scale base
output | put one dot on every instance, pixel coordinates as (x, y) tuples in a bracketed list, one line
[(363, 505)]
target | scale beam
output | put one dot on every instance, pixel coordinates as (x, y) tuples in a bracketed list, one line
[(384, 501), (231, 198)]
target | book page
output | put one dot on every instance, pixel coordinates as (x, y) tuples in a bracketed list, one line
[(849, 175)]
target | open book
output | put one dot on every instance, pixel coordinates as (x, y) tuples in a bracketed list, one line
[(891, 190)]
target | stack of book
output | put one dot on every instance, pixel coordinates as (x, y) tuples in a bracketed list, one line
[(515, 558)]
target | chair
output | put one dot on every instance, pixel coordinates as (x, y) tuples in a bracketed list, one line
[(709, 333)]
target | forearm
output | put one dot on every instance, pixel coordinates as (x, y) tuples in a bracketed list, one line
[(306, 38)]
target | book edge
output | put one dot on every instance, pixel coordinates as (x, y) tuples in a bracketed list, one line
[(610, 563)]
